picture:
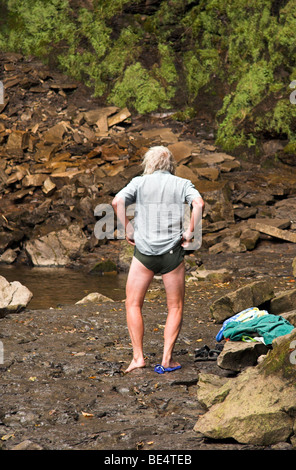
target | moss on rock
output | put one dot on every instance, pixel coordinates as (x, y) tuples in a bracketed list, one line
[(281, 360)]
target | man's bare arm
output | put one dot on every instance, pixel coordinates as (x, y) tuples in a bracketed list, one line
[(196, 216), (118, 205)]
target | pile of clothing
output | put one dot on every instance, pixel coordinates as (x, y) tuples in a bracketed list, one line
[(253, 324)]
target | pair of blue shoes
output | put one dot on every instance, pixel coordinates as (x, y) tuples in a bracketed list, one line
[(161, 370)]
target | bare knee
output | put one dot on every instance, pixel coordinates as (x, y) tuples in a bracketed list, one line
[(131, 302)]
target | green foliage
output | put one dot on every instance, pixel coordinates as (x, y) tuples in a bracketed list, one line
[(94, 28), (200, 67), (244, 45), (33, 25), (167, 69), (145, 60), (139, 89), (238, 106)]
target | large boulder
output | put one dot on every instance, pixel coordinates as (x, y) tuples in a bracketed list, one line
[(57, 248), (258, 406), (13, 296), (284, 301), (250, 295), (237, 355)]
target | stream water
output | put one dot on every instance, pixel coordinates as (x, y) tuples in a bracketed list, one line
[(60, 286)]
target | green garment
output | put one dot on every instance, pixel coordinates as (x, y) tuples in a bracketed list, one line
[(268, 326)]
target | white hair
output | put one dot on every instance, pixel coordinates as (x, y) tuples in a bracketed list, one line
[(158, 158)]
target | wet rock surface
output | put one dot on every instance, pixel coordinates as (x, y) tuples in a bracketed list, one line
[(63, 385)]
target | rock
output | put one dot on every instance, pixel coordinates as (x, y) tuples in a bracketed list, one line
[(94, 115), (16, 140), (275, 222), (294, 267), (209, 173), (48, 187), (9, 256), (208, 227), (258, 198), (56, 248), (164, 134), (8, 238), (245, 212), (210, 389), (45, 152), (13, 296), (27, 445), (252, 412), (181, 151), (288, 154), (210, 239), (283, 302), (227, 240), (55, 134), (184, 172), (286, 208), (34, 180), (104, 267), (121, 116), (216, 195), (113, 170), (290, 316), (250, 295), (271, 147), (273, 231), (218, 275), (94, 297), (212, 158), (257, 406), (229, 245), (237, 355), (226, 167), (249, 238)]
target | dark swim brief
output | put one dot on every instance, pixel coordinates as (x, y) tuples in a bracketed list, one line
[(162, 264)]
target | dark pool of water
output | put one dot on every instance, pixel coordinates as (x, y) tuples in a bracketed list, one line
[(59, 286)]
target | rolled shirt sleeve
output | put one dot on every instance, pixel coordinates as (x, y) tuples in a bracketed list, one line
[(129, 192), (191, 192)]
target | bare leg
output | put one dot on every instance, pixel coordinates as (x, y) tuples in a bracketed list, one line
[(174, 283), (137, 284)]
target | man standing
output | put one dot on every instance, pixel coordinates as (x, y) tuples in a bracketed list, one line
[(160, 245)]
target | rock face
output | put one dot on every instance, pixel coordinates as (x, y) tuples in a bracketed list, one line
[(56, 248), (13, 296), (251, 295), (258, 406), (62, 155)]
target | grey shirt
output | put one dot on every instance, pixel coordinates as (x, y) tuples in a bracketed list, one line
[(160, 199)]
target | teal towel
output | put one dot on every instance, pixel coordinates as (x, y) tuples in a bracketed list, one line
[(268, 326)]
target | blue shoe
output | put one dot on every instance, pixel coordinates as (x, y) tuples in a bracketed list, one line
[(161, 370)]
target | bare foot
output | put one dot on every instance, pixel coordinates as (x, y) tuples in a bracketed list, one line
[(170, 363), (135, 364)]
